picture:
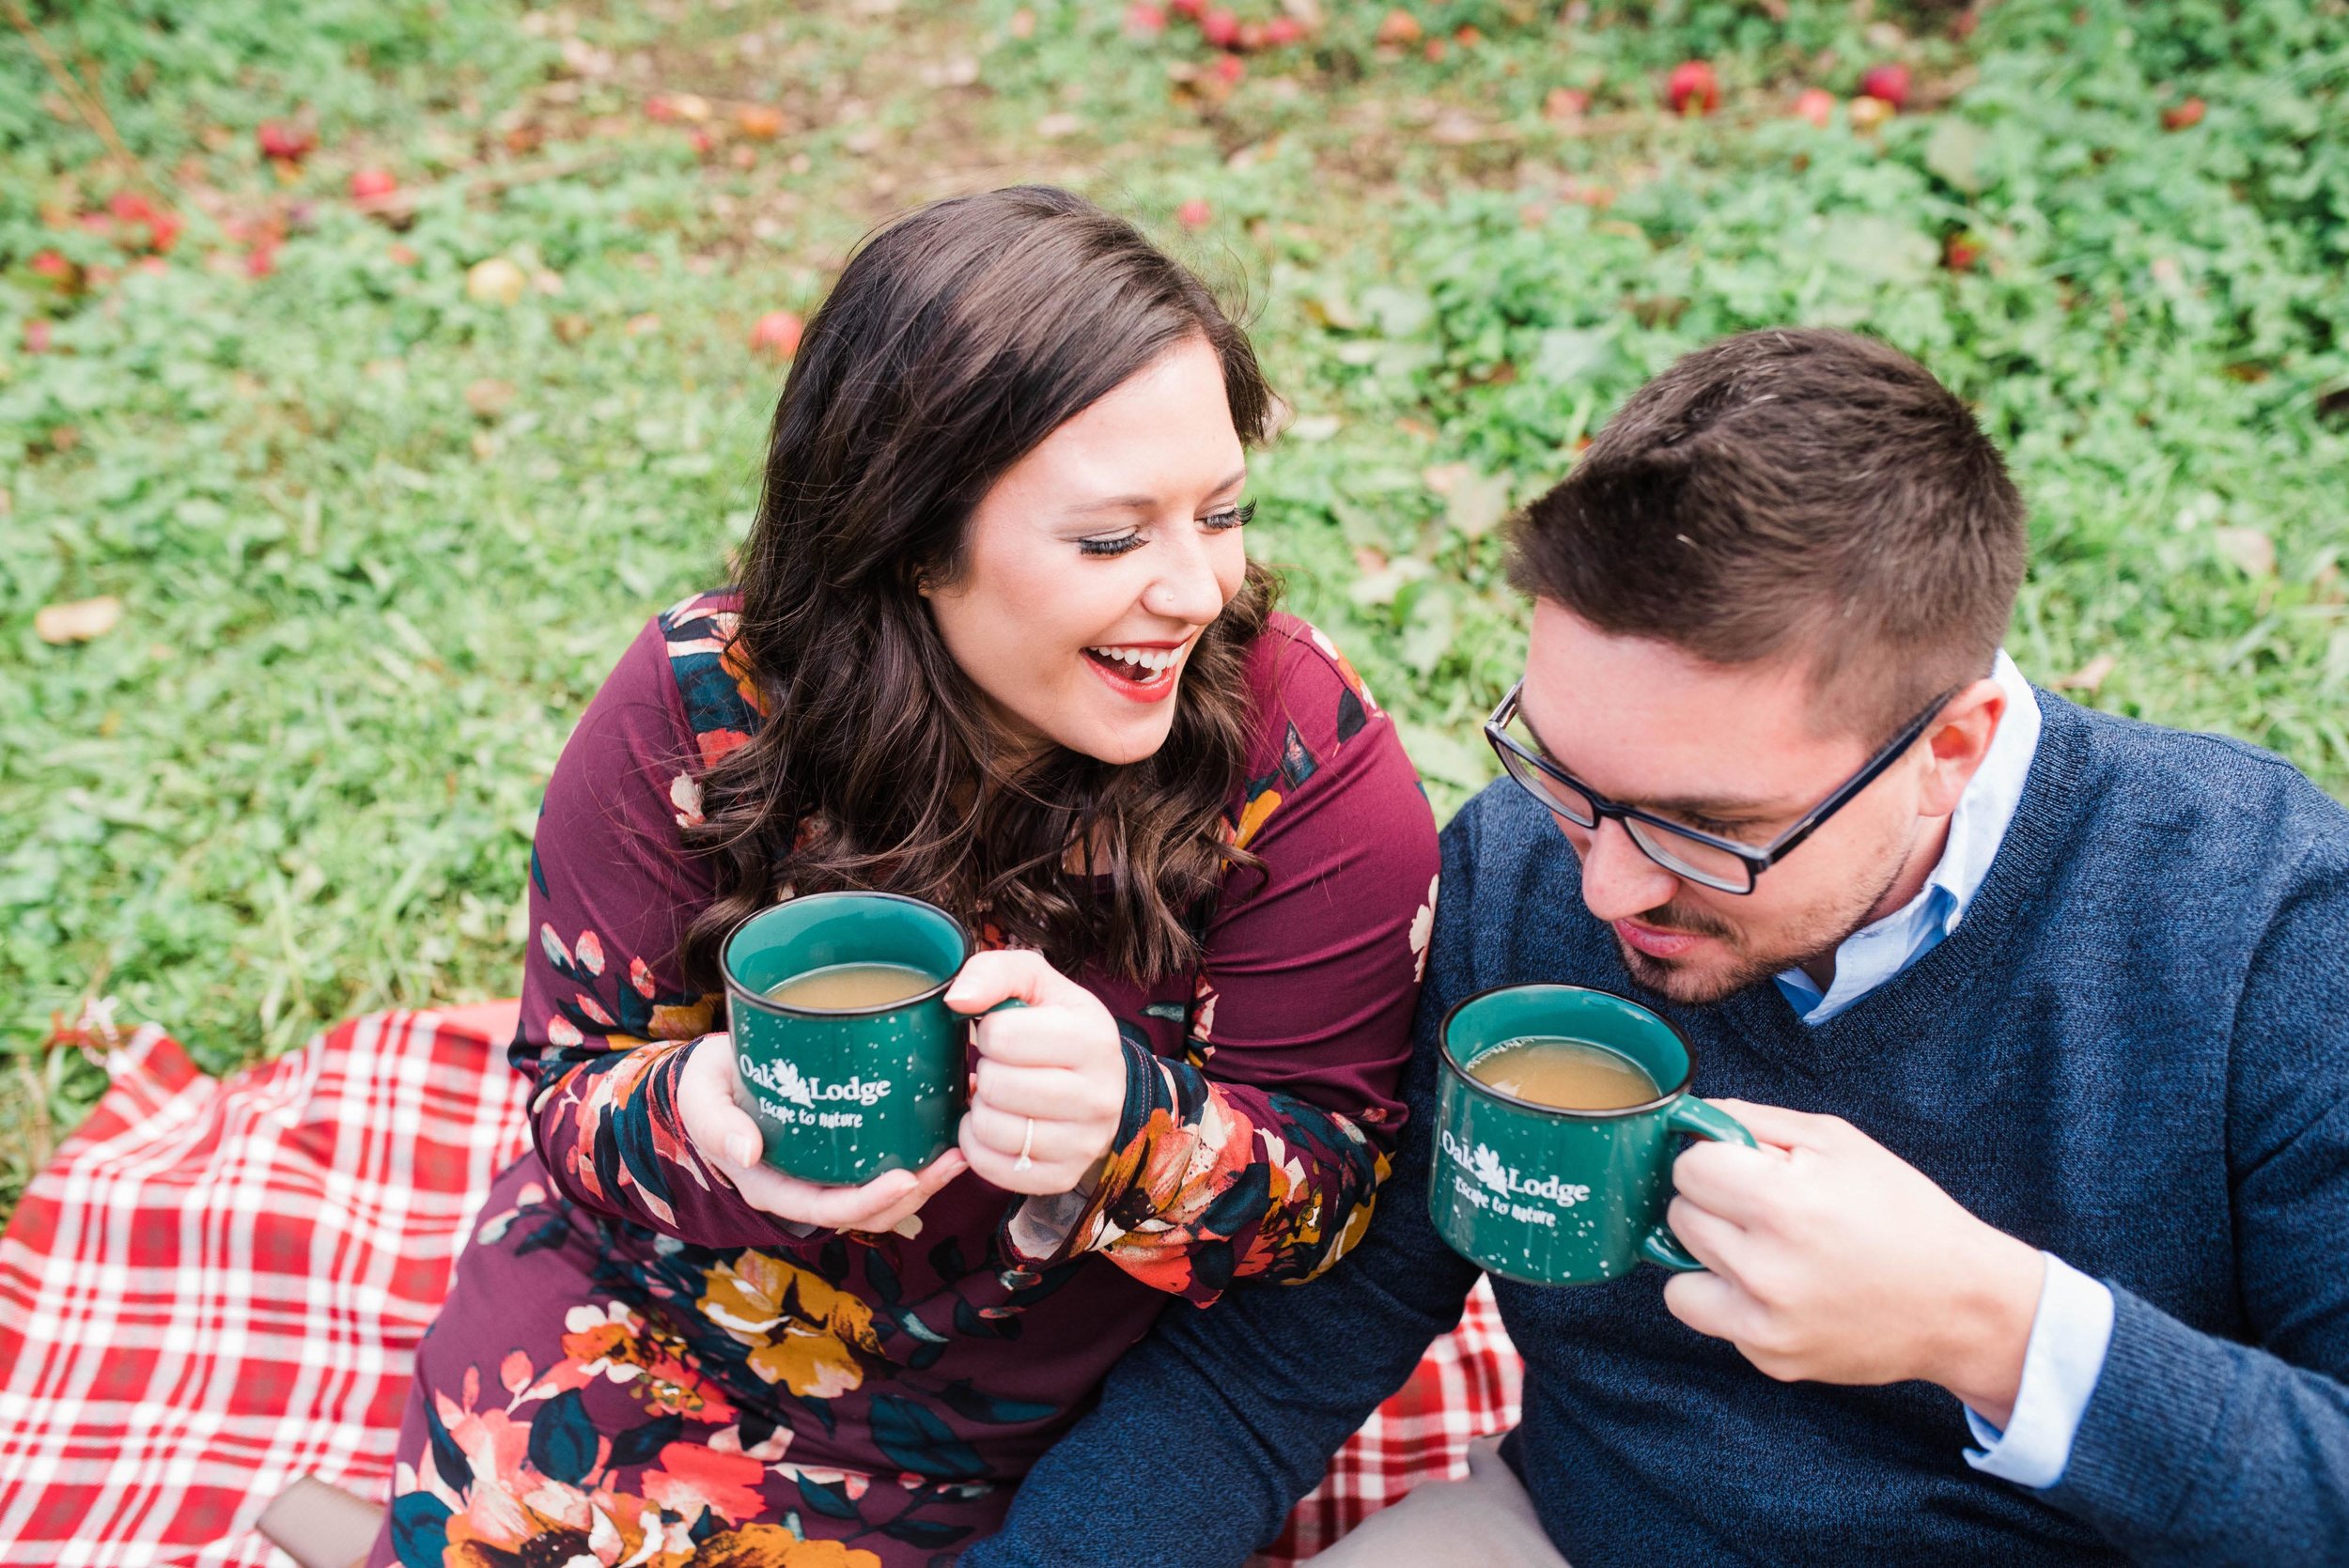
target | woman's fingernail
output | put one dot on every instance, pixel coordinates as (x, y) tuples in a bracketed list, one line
[(743, 1149)]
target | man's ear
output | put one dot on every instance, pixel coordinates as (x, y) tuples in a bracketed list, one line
[(1957, 742)]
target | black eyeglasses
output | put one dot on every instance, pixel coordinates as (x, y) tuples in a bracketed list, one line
[(1705, 859)]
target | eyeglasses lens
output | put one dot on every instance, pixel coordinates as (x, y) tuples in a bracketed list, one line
[(1691, 858), (1563, 798)]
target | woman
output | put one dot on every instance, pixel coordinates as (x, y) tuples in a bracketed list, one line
[(997, 644)]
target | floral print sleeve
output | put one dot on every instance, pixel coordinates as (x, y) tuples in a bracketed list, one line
[(606, 1018), (1257, 1151)]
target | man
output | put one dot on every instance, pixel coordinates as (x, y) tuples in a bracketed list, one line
[(2041, 1018)]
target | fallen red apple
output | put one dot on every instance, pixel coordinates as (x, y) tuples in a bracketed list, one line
[(37, 336), (1220, 29), (1194, 9), (1400, 28), (130, 206), (1961, 252), (1566, 104), (1815, 105), (1229, 68), (1145, 21), (1692, 88), (52, 266), (368, 185), (1195, 214), (1283, 31), (2183, 117), (777, 332), (1888, 82), (285, 139), (261, 260), (163, 232)]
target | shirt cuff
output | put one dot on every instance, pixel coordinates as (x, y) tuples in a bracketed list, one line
[(2069, 1335)]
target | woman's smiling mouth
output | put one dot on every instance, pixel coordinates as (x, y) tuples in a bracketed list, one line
[(1139, 672)]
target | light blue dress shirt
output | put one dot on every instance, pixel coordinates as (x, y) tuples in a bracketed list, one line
[(2073, 1327)]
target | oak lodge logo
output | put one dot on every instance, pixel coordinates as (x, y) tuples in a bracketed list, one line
[(784, 1079), (1484, 1165)]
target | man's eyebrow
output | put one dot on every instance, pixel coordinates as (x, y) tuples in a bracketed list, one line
[(1718, 808), (1147, 503)]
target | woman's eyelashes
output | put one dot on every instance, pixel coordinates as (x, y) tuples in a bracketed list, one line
[(1215, 522)]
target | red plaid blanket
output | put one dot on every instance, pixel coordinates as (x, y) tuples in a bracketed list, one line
[(218, 1286)]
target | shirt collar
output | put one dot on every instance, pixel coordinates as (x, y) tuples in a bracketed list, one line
[(1879, 951)]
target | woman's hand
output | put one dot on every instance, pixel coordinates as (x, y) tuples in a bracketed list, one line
[(1052, 1080), (728, 1141)]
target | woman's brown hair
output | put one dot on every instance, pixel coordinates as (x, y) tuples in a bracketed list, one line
[(954, 341)]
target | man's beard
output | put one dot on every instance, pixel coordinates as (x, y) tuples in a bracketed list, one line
[(1748, 963)]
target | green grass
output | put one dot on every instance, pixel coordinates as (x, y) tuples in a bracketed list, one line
[(297, 780)]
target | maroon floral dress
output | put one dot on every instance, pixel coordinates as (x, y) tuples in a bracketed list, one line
[(635, 1367)]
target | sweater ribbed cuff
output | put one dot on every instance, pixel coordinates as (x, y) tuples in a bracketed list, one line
[(2148, 1450)]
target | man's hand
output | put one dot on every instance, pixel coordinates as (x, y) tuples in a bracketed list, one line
[(1051, 1076), (1833, 1260), (728, 1142)]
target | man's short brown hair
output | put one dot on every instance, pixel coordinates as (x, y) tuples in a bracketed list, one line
[(1792, 494)]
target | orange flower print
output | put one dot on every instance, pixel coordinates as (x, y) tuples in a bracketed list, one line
[(1346, 672), (648, 1359), (773, 1546), (1253, 815), (690, 1480), (802, 1333)]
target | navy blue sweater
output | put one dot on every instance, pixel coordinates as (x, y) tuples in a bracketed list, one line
[(2132, 1052)]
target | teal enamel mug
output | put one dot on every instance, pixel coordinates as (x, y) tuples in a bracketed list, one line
[(1552, 1196), (841, 1094)]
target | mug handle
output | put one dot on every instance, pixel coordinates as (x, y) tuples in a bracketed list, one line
[(1694, 1117)]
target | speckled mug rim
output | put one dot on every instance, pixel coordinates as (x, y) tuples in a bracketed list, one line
[(1476, 1085), (760, 1001)]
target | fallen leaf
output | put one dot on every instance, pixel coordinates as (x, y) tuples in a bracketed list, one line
[(1474, 502), (489, 397), (77, 622), (2248, 548), (2088, 676), (1955, 153)]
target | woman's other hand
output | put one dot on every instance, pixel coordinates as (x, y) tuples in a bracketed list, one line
[(1051, 1079), (728, 1141)]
